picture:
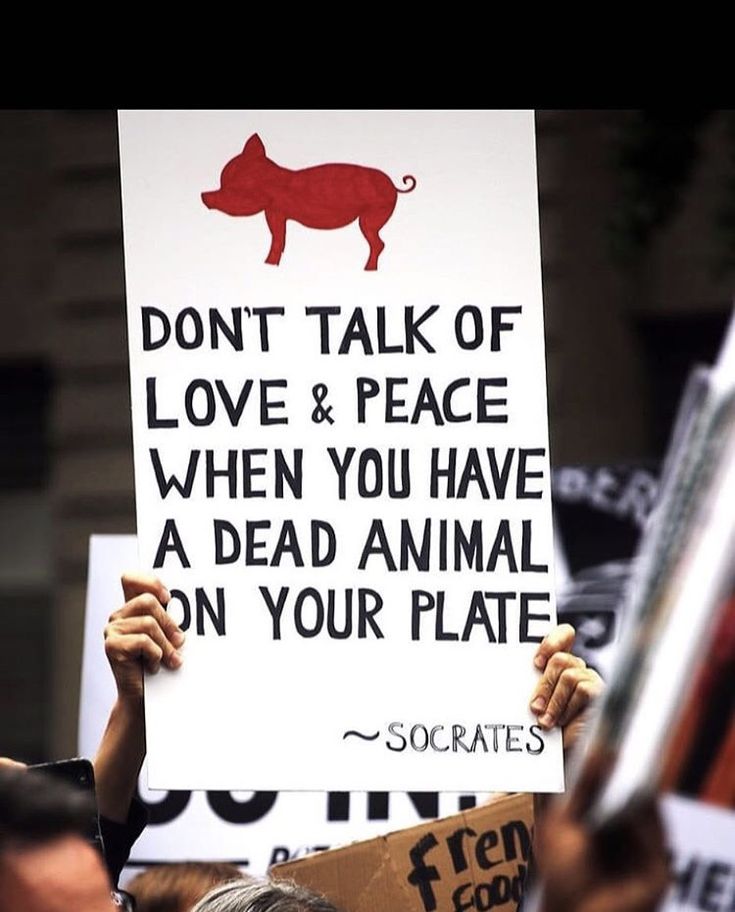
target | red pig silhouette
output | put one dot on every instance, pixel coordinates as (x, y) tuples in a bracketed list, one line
[(325, 196)]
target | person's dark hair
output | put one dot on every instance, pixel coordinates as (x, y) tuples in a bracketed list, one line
[(35, 808), (263, 896), (176, 887)]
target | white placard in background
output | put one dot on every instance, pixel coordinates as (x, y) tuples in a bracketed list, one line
[(702, 841), (380, 640)]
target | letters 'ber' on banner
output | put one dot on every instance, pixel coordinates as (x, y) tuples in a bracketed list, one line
[(341, 445)]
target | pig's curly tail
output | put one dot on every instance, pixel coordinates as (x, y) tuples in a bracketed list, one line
[(406, 179)]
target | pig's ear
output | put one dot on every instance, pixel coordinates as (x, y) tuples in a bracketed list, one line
[(254, 147)]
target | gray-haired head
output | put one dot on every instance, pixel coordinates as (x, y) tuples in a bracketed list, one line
[(263, 896)]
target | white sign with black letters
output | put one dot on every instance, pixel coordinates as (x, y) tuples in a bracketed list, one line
[(341, 446)]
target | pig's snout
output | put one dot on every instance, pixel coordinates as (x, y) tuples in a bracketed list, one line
[(239, 201)]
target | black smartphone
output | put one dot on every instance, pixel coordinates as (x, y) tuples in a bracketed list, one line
[(79, 774)]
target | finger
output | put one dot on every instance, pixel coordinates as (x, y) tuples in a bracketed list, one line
[(137, 583), (558, 701), (560, 697), (148, 604), (134, 648), (7, 763), (555, 667), (122, 636), (561, 639), (587, 690), (125, 632)]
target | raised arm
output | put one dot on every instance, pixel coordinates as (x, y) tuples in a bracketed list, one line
[(139, 636)]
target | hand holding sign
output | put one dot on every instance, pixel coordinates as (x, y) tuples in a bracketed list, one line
[(141, 635), (567, 686)]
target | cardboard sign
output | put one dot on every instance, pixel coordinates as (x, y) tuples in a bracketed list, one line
[(341, 453), (475, 860)]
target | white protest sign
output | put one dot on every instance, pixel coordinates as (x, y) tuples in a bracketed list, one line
[(341, 453), (702, 842), (253, 829)]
